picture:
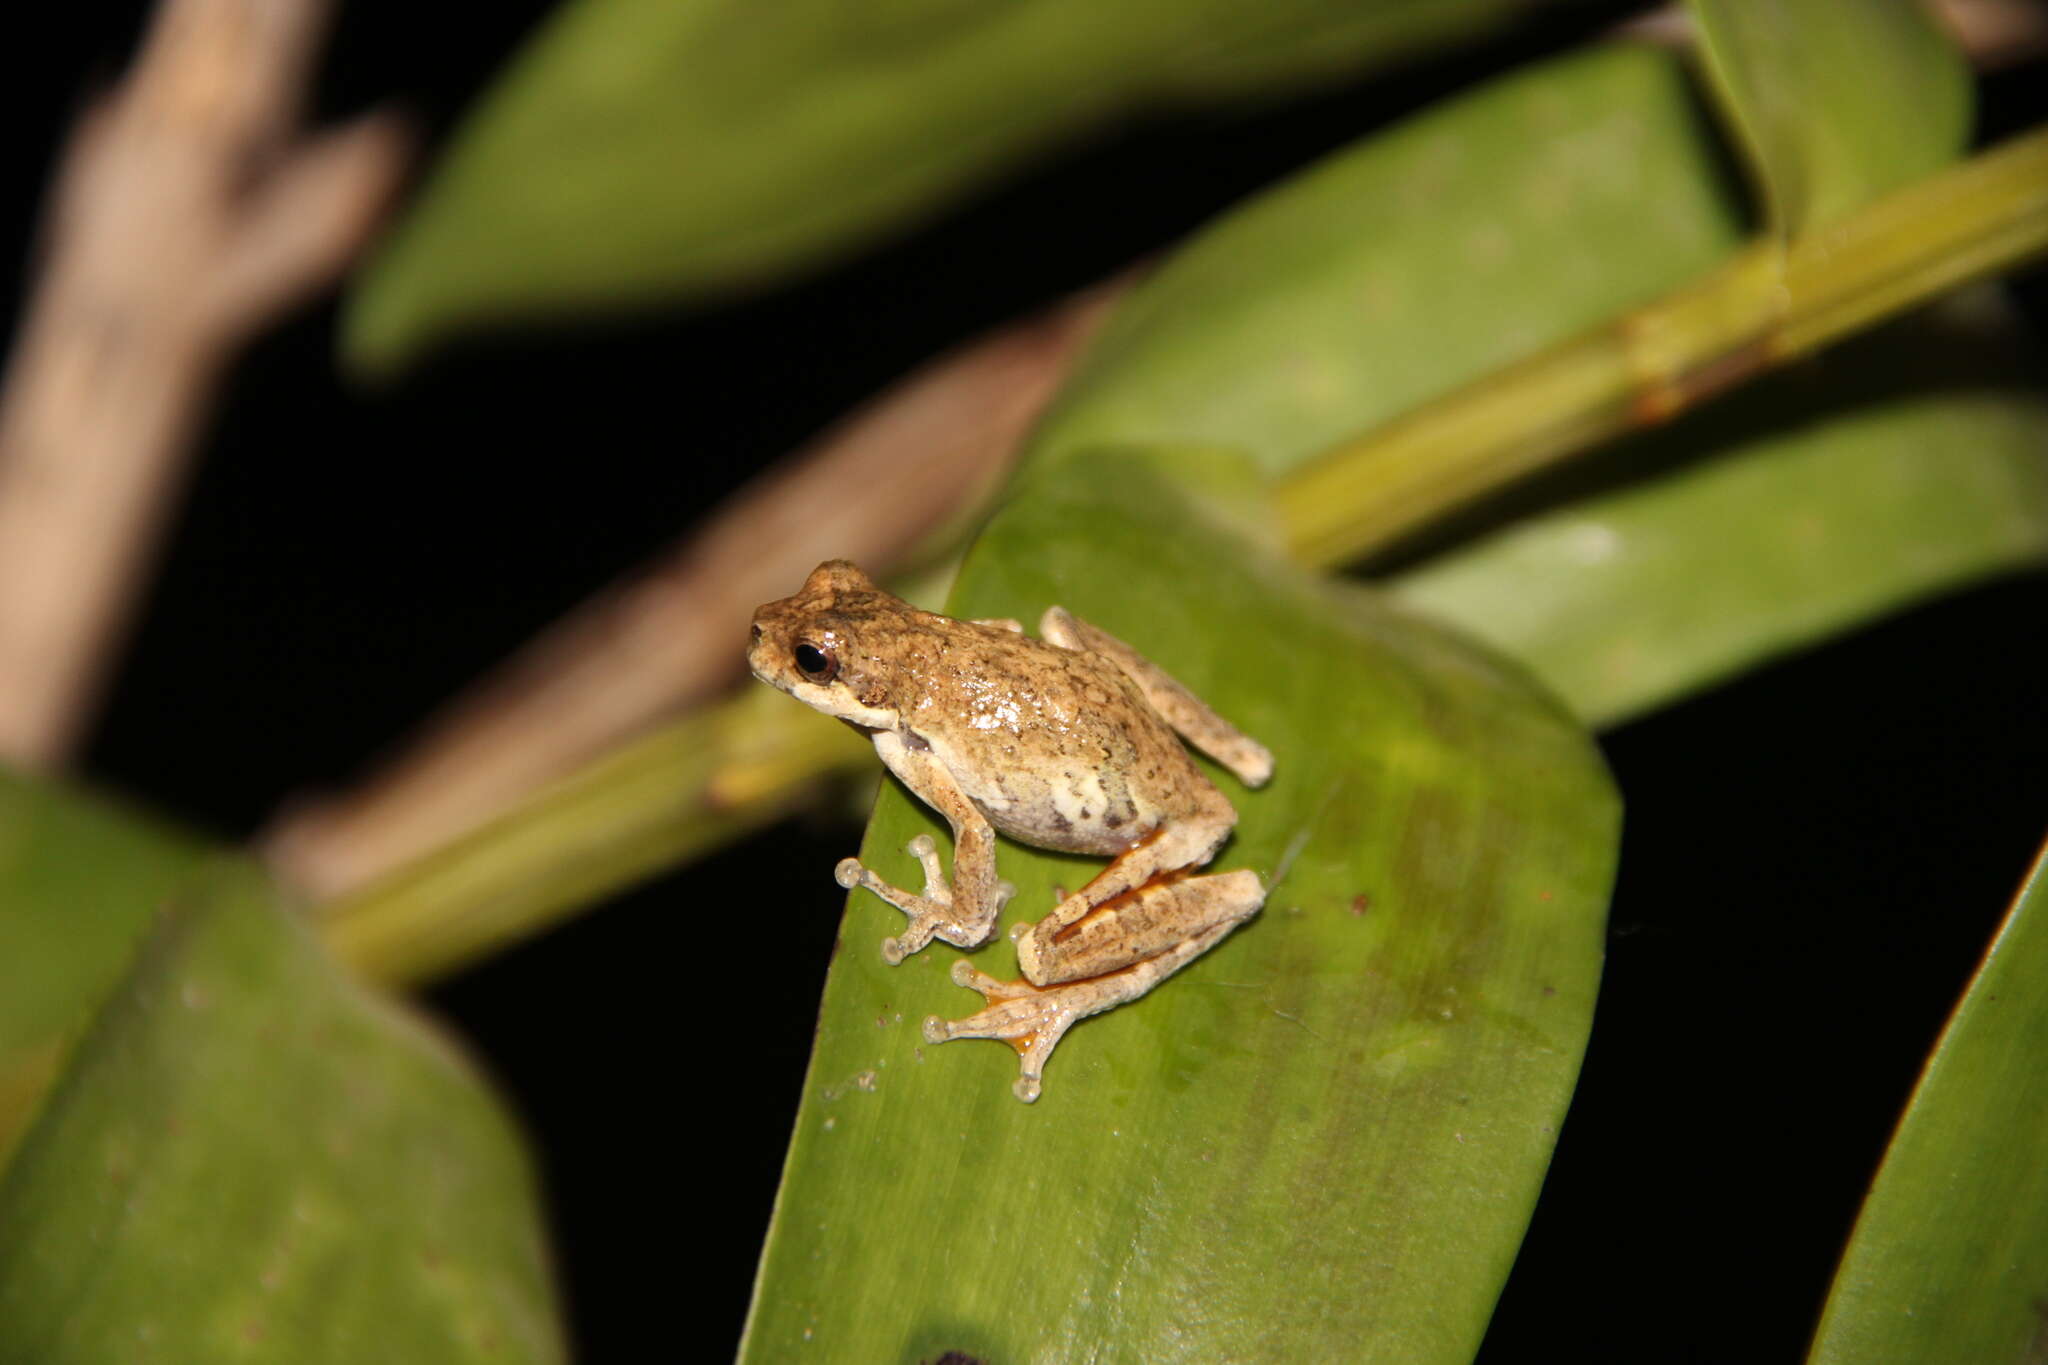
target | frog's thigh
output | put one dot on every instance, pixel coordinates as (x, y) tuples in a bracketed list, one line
[(1178, 846), (1180, 708), (1143, 924)]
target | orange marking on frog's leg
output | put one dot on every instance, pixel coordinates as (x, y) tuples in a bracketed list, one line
[(1033, 1020), (1170, 849)]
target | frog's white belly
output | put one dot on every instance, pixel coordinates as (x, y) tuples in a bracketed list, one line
[(1073, 809)]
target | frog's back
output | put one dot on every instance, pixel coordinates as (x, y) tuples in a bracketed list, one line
[(1060, 750)]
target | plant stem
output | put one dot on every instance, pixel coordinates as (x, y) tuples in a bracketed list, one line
[(687, 788), (1772, 303)]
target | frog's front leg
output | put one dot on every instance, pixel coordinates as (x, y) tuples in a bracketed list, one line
[(1190, 916), (962, 912)]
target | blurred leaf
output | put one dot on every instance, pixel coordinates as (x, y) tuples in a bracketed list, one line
[(1950, 1254), (1414, 261), (1508, 220), (250, 1158), (1906, 463), (1835, 102), (107, 872), (1345, 1109), (642, 150)]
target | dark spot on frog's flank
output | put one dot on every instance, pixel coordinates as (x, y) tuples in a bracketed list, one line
[(1086, 813), (1061, 823), (1114, 819), (1361, 903)]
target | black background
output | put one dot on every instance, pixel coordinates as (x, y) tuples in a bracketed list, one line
[(1814, 857)]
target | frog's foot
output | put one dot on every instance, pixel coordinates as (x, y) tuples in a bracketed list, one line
[(932, 914), (1029, 1019), (1033, 1019)]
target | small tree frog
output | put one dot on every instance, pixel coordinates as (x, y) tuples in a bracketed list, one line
[(1067, 743)]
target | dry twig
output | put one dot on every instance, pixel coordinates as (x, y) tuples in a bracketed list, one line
[(869, 490), (187, 214)]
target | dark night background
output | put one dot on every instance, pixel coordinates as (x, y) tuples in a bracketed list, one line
[(1814, 858)]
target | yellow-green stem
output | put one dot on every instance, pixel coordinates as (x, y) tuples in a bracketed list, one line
[(685, 789), (1771, 303)]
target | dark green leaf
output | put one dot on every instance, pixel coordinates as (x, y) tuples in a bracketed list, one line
[(251, 1158), (1417, 260), (1835, 103), (78, 884), (647, 150)]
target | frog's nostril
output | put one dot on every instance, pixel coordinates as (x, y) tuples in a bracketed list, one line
[(757, 630)]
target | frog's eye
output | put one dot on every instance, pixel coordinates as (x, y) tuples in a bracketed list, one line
[(814, 663)]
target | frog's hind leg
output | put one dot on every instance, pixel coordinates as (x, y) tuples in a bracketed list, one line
[(1180, 708), (1163, 857), (1032, 1019)]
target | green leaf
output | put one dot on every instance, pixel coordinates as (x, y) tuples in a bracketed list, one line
[(105, 872), (1345, 1109), (1950, 1253), (251, 1158), (1508, 220), (1835, 102), (649, 150), (1419, 259), (1898, 466)]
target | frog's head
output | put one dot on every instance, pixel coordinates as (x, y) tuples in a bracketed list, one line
[(816, 645)]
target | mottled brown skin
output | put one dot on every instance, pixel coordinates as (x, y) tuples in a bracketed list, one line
[(1057, 748), (1066, 743)]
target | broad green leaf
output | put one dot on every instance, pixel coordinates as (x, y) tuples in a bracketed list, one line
[(1835, 101), (1896, 467), (1412, 262), (251, 1158), (1950, 1253), (1319, 1142), (78, 884), (647, 150)]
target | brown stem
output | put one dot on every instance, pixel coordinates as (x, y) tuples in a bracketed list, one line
[(184, 217), (870, 490)]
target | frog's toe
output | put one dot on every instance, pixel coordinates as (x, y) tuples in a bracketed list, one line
[(921, 847), (935, 1029), (1026, 1088), (848, 873), (893, 951)]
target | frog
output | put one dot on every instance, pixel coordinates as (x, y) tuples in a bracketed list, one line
[(1071, 741)]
